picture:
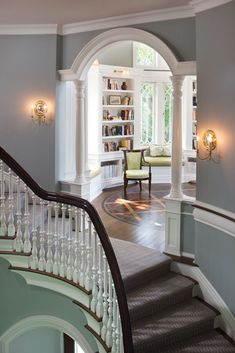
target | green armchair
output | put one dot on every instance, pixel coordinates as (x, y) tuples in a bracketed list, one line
[(133, 161)]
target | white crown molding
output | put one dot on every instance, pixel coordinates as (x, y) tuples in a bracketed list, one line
[(126, 20), (213, 220), (203, 5), (28, 29), (207, 292)]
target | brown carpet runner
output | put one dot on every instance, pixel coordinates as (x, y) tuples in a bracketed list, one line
[(165, 317)]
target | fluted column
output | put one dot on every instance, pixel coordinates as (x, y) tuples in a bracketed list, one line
[(176, 166), (80, 141)]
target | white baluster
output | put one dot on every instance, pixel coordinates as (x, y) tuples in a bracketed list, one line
[(70, 248), (99, 306), (76, 247), (18, 243), (63, 244), (11, 226), (56, 259), (105, 300), (110, 311), (42, 259), (34, 256), (94, 272), (88, 279), (119, 341), (49, 255), (83, 251), (3, 226), (27, 244), (114, 324)]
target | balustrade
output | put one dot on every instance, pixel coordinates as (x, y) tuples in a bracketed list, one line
[(62, 240)]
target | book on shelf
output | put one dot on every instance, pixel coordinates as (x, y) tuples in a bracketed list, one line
[(127, 114)]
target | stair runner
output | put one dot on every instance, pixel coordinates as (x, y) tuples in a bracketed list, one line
[(165, 317)]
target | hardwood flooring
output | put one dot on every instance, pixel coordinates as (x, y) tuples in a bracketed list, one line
[(144, 224)]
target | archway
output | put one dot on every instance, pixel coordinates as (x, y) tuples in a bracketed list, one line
[(39, 321), (78, 72)]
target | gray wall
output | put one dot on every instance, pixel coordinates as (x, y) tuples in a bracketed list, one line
[(19, 300), (215, 257), (215, 31), (46, 340), (28, 72), (179, 35), (120, 54)]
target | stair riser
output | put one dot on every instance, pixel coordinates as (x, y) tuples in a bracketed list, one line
[(162, 341), (155, 307), (151, 274)]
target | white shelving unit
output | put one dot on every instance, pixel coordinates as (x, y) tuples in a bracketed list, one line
[(111, 119)]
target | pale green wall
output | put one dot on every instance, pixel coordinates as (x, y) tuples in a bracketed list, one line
[(187, 228), (120, 54), (40, 340), (19, 300)]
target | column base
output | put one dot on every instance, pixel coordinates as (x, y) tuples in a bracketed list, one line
[(80, 188)]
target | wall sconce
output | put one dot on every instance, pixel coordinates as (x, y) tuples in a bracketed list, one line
[(39, 111), (209, 142)]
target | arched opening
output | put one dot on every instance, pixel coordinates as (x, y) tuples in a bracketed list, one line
[(76, 147), (48, 330)]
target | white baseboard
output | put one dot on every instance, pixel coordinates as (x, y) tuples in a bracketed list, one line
[(226, 321)]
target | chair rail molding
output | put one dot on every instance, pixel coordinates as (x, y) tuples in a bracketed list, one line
[(215, 217), (33, 322)]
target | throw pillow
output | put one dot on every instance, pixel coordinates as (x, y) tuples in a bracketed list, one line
[(166, 150), (155, 150)]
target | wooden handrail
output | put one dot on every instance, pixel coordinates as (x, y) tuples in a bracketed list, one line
[(220, 214), (101, 231)]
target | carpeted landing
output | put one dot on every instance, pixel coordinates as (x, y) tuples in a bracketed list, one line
[(165, 317)]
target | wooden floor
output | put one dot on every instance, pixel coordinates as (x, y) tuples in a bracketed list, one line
[(146, 232)]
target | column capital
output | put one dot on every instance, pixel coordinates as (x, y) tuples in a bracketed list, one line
[(80, 86), (177, 83)]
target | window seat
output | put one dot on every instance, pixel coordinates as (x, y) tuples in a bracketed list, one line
[(160, 161)]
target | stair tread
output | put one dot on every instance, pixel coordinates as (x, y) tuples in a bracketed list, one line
[(179, 322), (139, 264), (211, 342), (158, 294)]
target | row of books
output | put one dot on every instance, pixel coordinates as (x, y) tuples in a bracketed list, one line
[(125, 114), (109, 83), (109, 170), (113, 146), (117, 130)]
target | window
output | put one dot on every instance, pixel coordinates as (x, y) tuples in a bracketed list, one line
[(144, 55), (147, 93), (168, 113)]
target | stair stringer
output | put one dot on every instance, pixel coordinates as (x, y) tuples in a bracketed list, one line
[(206, 291), (19, 264)]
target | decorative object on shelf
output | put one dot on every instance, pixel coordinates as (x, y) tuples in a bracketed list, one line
[(39, 111), (124, 86), (209, 141), (125, 100), (114, 100)]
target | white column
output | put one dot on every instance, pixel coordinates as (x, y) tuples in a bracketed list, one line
[(176, 166), (80, 140)]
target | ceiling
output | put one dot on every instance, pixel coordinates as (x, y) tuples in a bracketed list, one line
[(71, 11)]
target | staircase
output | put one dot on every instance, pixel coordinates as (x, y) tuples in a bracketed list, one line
[(165, 318), (132, 300)]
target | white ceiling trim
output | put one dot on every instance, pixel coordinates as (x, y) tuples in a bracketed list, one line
[(203, 5), (125, 20), (28, 29)]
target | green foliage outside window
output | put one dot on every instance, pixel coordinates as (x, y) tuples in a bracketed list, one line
[(147, 112), (145, 55), (168, 113)]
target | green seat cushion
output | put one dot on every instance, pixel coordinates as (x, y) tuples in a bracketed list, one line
[(135, 174), (158, 161)]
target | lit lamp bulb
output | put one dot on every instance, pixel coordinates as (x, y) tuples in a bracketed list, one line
[(209, 142)]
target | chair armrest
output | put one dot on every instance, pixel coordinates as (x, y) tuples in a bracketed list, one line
[(145, 163)]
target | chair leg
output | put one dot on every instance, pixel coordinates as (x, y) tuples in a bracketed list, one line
[(149, 186), (140, 185), (125, 186)]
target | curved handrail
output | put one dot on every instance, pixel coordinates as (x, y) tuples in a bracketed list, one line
[(101, 231)]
